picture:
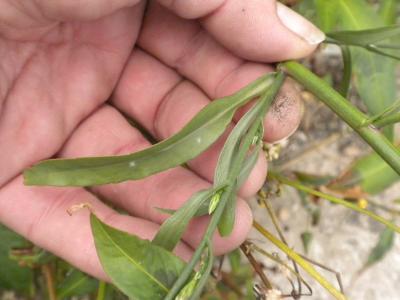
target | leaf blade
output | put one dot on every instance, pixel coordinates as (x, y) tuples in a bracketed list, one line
[(12, 276), (152, 269), (370, 173), (194, 138), (76, 283), (374, 75), (383, 246), (173, 228), (365, 37)]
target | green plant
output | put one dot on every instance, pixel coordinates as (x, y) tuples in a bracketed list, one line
[(152, 271)]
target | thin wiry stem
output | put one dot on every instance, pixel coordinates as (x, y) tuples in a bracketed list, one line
[(297, 185)]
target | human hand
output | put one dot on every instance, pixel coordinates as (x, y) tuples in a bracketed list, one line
[(61, 60)]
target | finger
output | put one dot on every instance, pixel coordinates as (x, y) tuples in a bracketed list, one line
[(169, 189), (40, 215), (164, 103), (57, 87), (262, 30), (184, 46)]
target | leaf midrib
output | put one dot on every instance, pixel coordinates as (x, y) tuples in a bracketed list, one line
[(132, 260)]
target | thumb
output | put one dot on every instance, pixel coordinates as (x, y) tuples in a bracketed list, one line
[(261, 30)]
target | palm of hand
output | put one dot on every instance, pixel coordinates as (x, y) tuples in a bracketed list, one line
[(55, 78), (52, 78)]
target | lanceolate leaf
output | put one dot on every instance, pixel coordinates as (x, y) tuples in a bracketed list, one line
[(347, 71), (385, 243), (236, 147), (194, 138), (172, 229), (137, 267), (366, 37), (229, 167), (204, 273), (374, 75), (370, 174), (249, 164)]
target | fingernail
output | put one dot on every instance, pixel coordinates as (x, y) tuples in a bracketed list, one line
[(299, 25)]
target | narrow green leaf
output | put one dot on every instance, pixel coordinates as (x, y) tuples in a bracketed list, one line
[(384, 245), (374, 75), (76, 283), (12, 276), (203, 274), (387, 112), (377, 49), (231, 160), (227, 157), (203, 130), (365, 37), (249, 164), (312, 179), (226, 196), (347, 71), (370, 173), (173, 228), (388, 120), (234, 260), (306, 238), (148, 270), (236, 147)]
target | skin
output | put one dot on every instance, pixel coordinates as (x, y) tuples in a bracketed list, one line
[(60, 61)]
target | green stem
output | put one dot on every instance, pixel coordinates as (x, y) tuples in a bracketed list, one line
[(299, 186), (101, 292), (346, 111), (187, 271)]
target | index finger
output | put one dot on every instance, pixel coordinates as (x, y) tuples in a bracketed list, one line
[(261, 30)]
